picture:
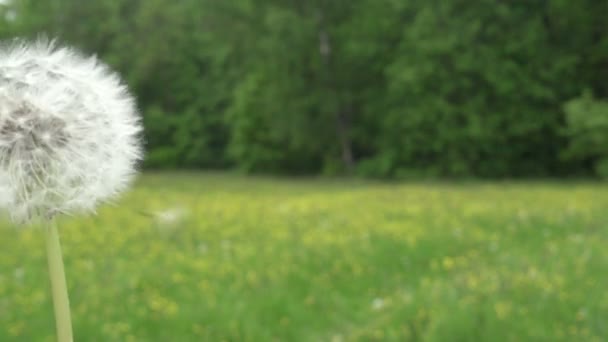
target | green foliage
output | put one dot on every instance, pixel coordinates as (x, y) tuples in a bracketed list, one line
[(587, 126), (380, 88)]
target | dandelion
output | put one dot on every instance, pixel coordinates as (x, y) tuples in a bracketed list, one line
[(69, 140)]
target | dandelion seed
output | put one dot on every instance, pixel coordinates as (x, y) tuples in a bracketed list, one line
[(203, 248), (337, 338), (19, 274), (378, 304), (170, 217)]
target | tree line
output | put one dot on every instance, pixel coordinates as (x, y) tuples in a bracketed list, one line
[(378, 88)]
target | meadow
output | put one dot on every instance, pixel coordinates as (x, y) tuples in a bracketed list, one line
[(215, 257)]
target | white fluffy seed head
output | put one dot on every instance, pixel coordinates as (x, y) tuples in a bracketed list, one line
[(69, 132)]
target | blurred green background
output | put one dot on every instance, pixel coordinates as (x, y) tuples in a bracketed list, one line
[(445, 96), (377, 88)]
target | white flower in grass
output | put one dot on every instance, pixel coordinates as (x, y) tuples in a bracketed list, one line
[(69, 132)]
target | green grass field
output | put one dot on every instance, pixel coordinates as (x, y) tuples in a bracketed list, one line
[(186, 257)]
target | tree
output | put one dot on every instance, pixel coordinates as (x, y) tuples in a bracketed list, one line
[(382, 88)]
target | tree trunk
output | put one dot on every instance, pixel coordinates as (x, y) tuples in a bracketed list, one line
[(344, 126), (342, 115)]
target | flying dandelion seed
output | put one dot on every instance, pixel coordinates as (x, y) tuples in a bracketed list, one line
[(69, 132)]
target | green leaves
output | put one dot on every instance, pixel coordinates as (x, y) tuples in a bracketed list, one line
[(385, 88), (587, 127)]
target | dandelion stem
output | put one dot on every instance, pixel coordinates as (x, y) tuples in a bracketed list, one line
[(59, 287)]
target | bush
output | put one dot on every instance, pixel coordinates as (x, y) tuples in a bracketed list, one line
[(587, 128)]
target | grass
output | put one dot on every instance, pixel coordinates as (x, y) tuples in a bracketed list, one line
[(191, 257)]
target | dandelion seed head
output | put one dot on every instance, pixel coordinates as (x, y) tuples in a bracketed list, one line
[(69, 132)]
